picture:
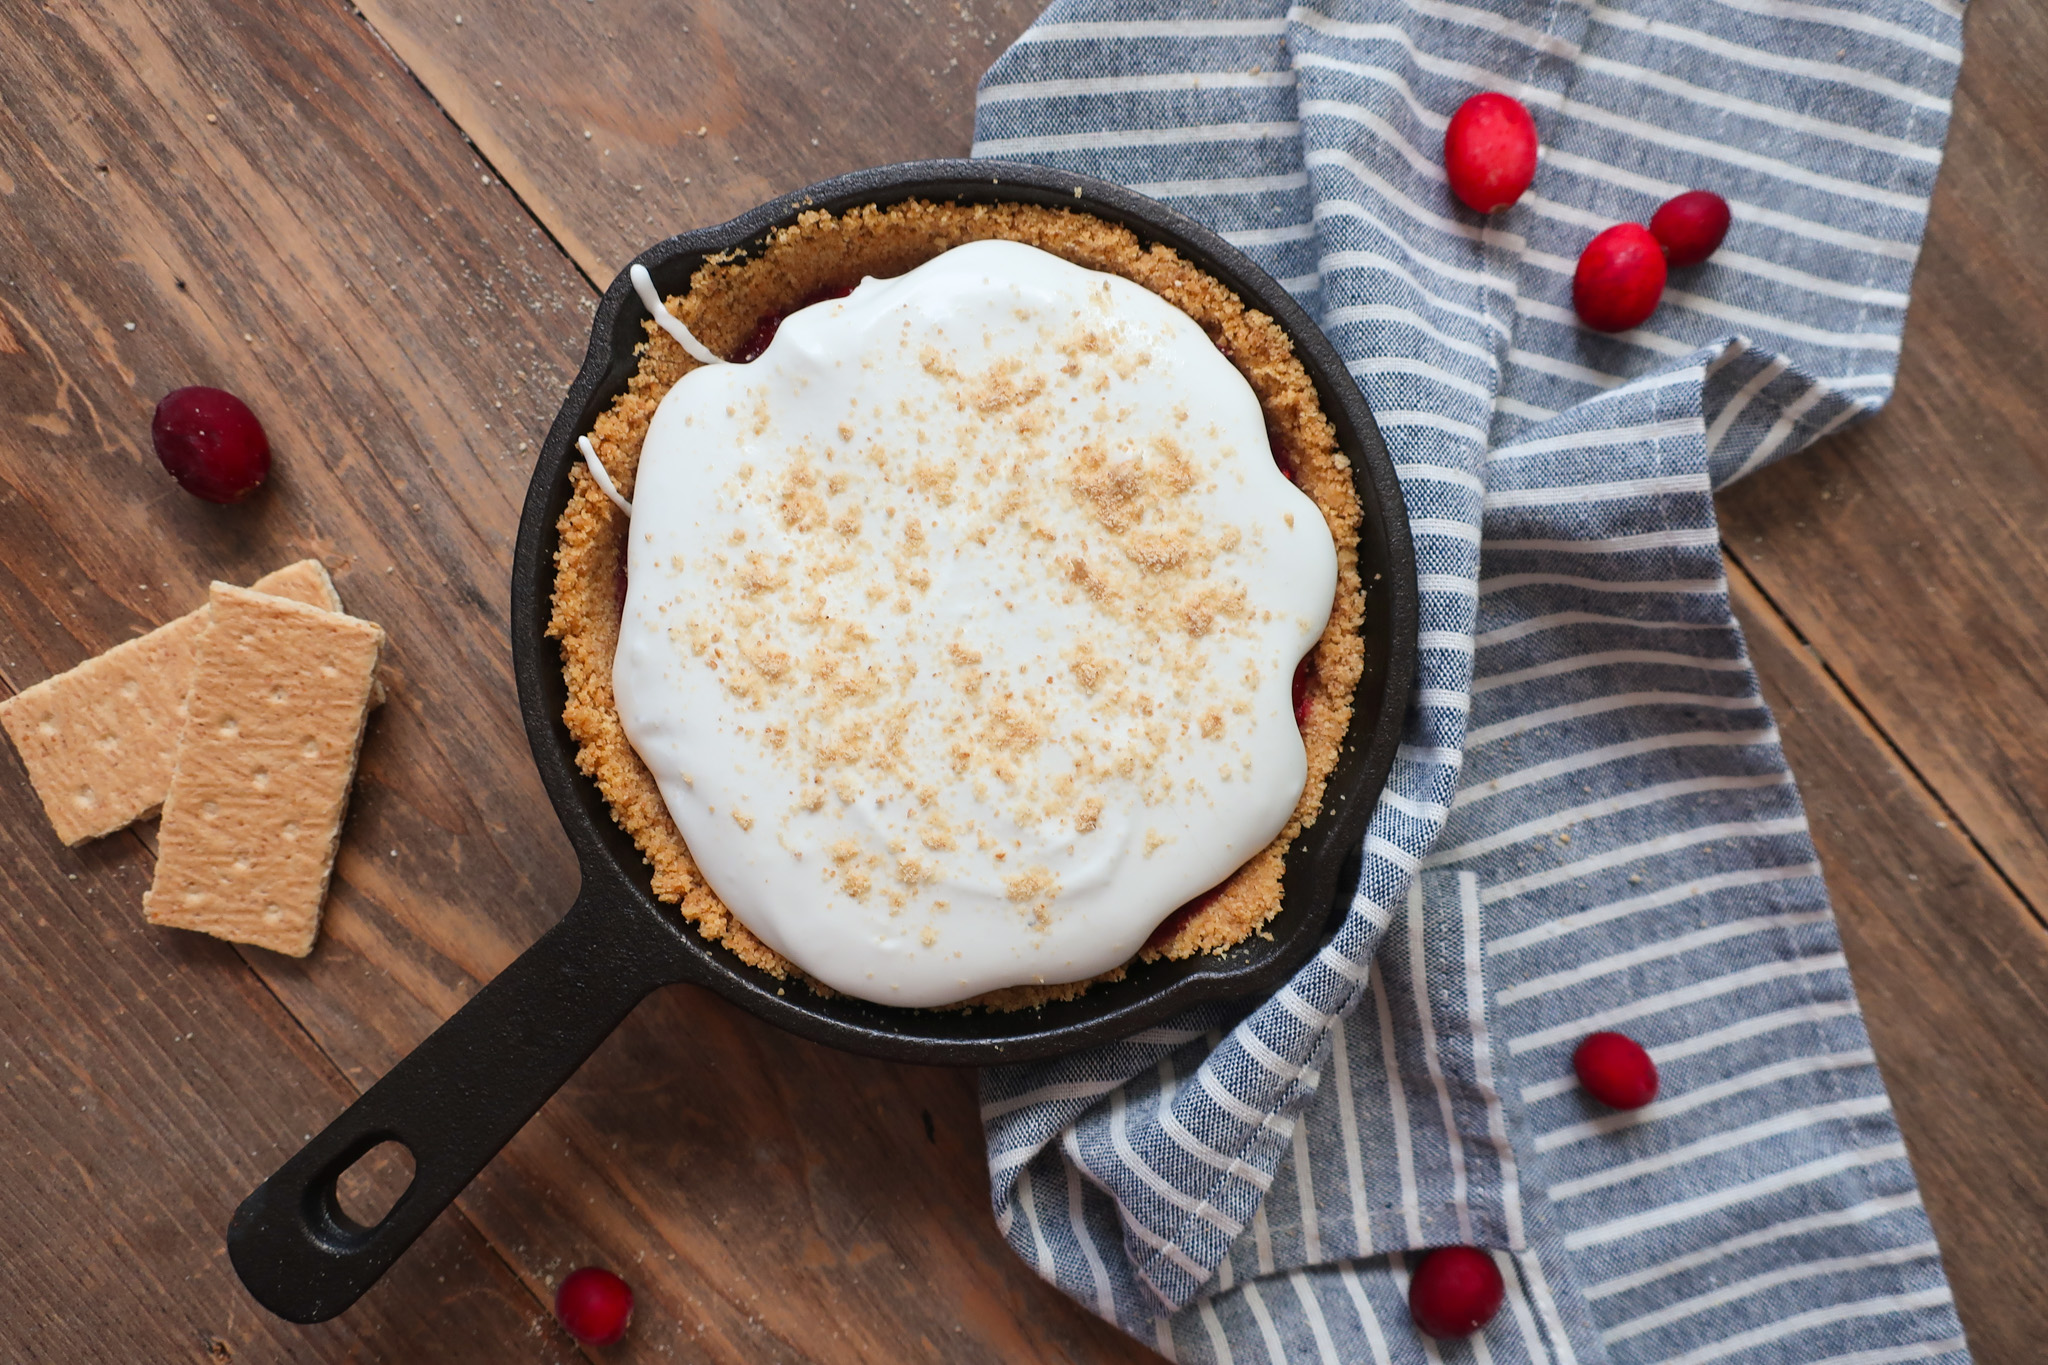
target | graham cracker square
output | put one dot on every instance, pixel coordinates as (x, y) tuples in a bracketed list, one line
[(274, 722), (99, 741)]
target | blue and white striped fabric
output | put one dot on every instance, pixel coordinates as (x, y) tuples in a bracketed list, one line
[(1591, 823)]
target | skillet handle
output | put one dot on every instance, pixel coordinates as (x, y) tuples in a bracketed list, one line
[(454, 1101)]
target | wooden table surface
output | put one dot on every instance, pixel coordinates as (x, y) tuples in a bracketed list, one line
[(386, 228)]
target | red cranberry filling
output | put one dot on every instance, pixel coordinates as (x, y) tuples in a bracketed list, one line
[(1178, 920), (767, 327), (1304, 690), (1280, 454)]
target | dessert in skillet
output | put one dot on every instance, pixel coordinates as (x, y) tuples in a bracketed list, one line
[(955, 653)]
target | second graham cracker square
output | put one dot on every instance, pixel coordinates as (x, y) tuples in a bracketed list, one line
[(100, 740), (280, 691)]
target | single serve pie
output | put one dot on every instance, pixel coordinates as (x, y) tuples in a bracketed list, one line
[(960, 604)]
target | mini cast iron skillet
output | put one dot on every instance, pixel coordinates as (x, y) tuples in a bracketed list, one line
[(463, 1093)]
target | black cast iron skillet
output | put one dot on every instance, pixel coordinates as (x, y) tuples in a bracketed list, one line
[(463, 1093)]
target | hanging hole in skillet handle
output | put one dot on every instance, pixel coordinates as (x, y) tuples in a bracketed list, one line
[(343, 1205), (372, 1186), (453, 1102)]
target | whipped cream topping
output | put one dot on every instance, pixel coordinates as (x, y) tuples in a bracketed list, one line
[(961, 625)]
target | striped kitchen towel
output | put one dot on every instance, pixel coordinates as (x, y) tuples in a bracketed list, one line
[(1590, 823)]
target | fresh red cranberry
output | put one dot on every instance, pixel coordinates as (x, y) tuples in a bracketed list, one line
[(1691, 226), (594, 1305), (1304, 691), (211, 443), (767, 327), (1619, 279), (1615, 1070), (1455, 1292), (1490, 151)]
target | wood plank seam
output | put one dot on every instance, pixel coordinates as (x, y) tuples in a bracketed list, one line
[(476, 150), (1891, 746)]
